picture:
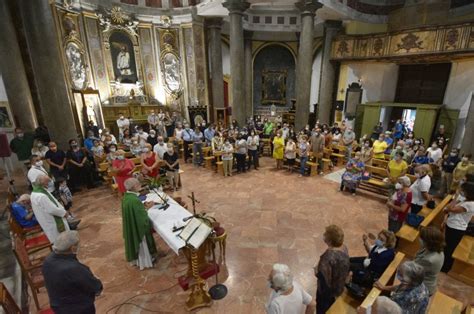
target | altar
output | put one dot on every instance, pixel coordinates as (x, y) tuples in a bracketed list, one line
[(202, 263)]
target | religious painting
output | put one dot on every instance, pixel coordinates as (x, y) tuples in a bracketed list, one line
[(123, 58), (171, 72), (77, 69), (6, 118), (274, 87)]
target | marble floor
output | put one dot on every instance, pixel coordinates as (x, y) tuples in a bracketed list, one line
[(270, 216)]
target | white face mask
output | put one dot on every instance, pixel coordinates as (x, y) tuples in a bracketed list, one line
[(39, 163), (113, 149), (398, 186), (145, 150)]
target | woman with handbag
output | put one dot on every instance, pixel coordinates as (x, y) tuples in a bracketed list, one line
[(399, 204), (458, 215)]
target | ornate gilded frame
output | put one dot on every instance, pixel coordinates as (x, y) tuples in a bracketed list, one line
[(169, 42), (268, 99), (69, 40)]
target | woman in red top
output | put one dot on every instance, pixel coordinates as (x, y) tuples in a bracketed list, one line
[(150, 162), (399, 204), (122, 169)]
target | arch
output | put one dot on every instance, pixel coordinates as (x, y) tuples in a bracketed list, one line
[(273, 43)]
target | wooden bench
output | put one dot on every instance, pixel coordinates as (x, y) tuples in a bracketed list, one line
[(347, 304), (386, 278), (220, 167), (382, 163), (441, 303), (313, 168), (340, 154), (463, 267), (469, 309), (375, 184), (408, 242), (208, 161), (267, 148)]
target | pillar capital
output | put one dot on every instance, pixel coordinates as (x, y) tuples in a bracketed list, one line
[(308, 7), (236, 6), (214, 22)]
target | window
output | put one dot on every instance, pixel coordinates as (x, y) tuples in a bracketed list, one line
[(280, 20), (268, 20), (293, 20), (255, 19)]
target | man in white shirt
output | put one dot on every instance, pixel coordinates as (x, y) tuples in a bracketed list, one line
[(435, 153), (48, 211), (142, 136), (160, 148), (37, 170), (420, 188), (122, 123), (152, 120), (287, 297)]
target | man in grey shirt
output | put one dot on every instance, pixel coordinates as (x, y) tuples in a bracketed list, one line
[(347, 139), (240, 153)]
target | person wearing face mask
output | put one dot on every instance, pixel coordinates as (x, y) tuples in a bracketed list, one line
[(396, 168), (111, 150), (458, 214), (421, 158), (303, 153), (253, 143), (171, 160), (142, 136), (278, 147), (40, 150), (399, 204), (353, 174), (69, 283), (122, 123), (79, 167), (178, 132), (411, 294), (106, 133), (431, 256), (227, 158), (462, 169), (37, 170), (448, 165), (160, 147), (122, 169), (209, 134), (316, 142), (188, 134), (136, 148), (366, 153), (56, 160), (149, 161), (435, 153), (152, 120), (241, 150), (347, 140), (410, 139), (367, 269), (21, 145), (398, 130), (197, 139), (267, 128), (389, 140), (420, 189), (152, 139), (332, 269), (287, 295)]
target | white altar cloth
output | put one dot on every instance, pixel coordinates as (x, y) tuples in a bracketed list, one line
[(164, 220)]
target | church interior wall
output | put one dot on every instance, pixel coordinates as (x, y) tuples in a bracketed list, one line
[(225, 60), (362, 28)]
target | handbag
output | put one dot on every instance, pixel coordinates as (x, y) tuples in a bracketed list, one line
[(431, 204), (414, 220)]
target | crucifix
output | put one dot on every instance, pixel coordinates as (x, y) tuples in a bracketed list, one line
[(194, 200)]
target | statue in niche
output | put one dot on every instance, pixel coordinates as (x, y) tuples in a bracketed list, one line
[(123, 57), (123, 61), (171, 69), (77, 70)]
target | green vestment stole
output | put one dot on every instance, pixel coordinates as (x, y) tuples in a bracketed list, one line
[(136, 225), (58, 220)]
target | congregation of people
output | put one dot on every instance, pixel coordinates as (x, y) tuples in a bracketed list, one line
[(55, 175)]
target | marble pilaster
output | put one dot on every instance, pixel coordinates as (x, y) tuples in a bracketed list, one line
[(305, 61), (48, 69), (14, 74), (214, 26), (236, 9), (248, 73), (328, 73)]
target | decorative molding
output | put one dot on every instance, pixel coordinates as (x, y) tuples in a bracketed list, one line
[(430, 41)]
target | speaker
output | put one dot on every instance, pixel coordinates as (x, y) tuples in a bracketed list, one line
[(4, 146)]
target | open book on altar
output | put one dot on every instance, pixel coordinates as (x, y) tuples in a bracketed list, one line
[(195, 233)]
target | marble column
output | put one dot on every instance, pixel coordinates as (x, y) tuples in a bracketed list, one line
[(236, 33), (214, 26), (48, 69), (248, 74), (328, 73), (14, 74), (304, 64), (467, 141)]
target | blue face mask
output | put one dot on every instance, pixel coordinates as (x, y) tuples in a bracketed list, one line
[(378, 243)]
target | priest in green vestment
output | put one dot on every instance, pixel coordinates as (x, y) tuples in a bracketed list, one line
[(139, 243)]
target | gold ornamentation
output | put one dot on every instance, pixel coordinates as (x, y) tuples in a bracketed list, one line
[(378, 45), (408, 42), (343, 48), (117, 15), (452, 37)]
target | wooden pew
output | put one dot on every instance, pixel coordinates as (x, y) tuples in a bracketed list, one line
[(408, 236), (469, 309), (375, 183), (326, 160), (347, 304), (381, 163), (441, 303), (340, 154), (386, 278), (463, 267)]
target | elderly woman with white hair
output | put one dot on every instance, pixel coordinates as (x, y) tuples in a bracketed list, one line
[(399, 204), (287, 295), (411, 294), (23, 213), (71, 285)]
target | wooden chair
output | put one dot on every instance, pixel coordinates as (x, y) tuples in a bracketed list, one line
[(463, 267), (8, 303), (31, 269)]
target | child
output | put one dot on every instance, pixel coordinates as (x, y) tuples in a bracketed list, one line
[(65, 194), (98, 152)]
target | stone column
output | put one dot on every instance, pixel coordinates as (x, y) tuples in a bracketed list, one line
[(14, 74), (328, 73), (467, 142), (48, 69), (214, 26), (236, 9), (304, 64), (248, 74)]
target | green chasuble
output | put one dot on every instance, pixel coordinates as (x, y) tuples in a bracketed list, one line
[(136, 225)]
